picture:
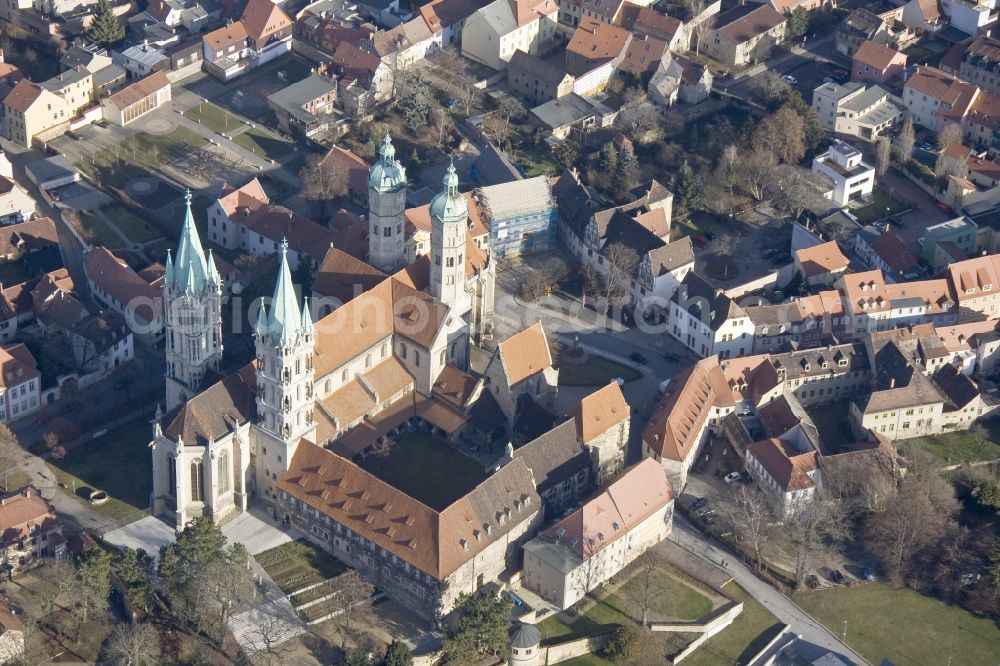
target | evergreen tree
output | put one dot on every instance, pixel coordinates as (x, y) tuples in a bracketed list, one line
[(482, 628), (798, 23), (609, 158), (106, 29), (93, 574), (397, 654), (689, 190), (134, 567), (628, 169)]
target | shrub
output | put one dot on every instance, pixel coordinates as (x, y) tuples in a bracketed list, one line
[(619, 648)]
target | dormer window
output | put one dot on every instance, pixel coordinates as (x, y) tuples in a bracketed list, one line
[(987, 287), (970, 290), (842, 362)]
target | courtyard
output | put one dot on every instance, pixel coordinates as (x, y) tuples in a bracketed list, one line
[(297, 564), (426, 468), (584, 369)]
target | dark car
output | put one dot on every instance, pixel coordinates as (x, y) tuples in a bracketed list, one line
[(698, 503), (670, 356), (837, 576), (638, 358), (894, 221)]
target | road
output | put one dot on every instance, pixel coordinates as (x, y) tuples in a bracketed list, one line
[(817, 51), (778, 604)]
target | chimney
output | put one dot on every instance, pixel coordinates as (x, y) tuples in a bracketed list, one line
[(892, 382), (2, 56)]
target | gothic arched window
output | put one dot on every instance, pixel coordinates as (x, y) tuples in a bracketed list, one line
[(197, 488), (368, 361), (172, 475), (223, 467)]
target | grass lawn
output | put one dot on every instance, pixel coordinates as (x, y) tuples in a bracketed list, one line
[(130, 224), (214, 117), (876, 209), (904, 626), (97, 229), (747, 635), (595, 371), (128, 480), (263, 143), (963, 446), (296, 564), (427, 469)]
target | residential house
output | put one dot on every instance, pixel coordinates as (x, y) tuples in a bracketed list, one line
[(306, 105), (268, 30), (32, 113), (137, 99), (76, 86), (980, 64), (141, 60), (647, 22), (363, 78), (16, 205), (521, 367), (643, 56), (802, 322), (186, 59), (707, 321), (227, 51), (446, 19), (423, 558), (559, 117), (324, 32), (11, 635), (783, 468), (885, 251), (855, 109), (745, 34), (537, 81), (405, 44), (20, 383), (875, 305), (876, 63), (949, 241), (30, 528), (115, 286), (586, 548), (852, 178), (678, 78), (594, 44), (820, 265), (862, 25), (924, 15), (934, 98), (494, 33), (976, 287)]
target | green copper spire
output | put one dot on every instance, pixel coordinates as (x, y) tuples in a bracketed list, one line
[(450, 205), (307, 322), (387, 173), (190, 271), (285, 320)]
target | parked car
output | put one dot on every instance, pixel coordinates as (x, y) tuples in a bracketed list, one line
[(841, 75), (837, 576), (670, 356), (880, 226), (638, 358), (701, 240), (733, 477), (945, 208), (770, 252), (868, 575), (829, 79), (895, 221), (791, 79), (704, 511), (698, 503)]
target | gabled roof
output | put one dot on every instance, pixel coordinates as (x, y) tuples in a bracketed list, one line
[(216, 411), (649, 22), (17, 365), (22, 512), (234, 33), (113, 275), (821, 259), (435, 542), (343, 277), (263, 18), (597, 42), (554, 456), (250, 196), (440, 14), (23, 96), (28, 236), (740, 28), (599, 412), (789, 468), (876, 55), (525, 354), (537, 67)]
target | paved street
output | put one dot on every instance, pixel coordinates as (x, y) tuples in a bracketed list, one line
[(778, 604)]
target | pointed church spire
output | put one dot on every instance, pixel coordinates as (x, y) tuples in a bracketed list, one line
[(286, 318), (190, 269), (168, 268), (261, 326), (451, 180), (307, 322)]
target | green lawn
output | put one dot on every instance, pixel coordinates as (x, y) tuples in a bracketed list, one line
[(263, 143), (427, 469), (675, 601), (137, 229), (963, 446), (876, 209), (904, 626), (747, 635), (99, 232), (118, 462), (213, 117), (595, 371), (296, 564)]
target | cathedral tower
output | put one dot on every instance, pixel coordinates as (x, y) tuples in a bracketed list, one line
[(386, 205), (449, 218), (192, 306), (285, 402)]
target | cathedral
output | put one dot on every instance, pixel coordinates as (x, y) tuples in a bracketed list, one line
[(334, 382)]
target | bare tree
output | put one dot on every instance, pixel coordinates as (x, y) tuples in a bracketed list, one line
[(640, 122), (11, 453), (757, 173), (883, 154), (270, 641), (753, 520), (497, 128), (782, 134), (698, 28), (59, 573), (949, 134), (723, 246), (810, 528), (443, 125), (322, 180), (907, 139), (727, 160), (136, 644), (648, 588), (352, 592), (796, 191), (622, 262)]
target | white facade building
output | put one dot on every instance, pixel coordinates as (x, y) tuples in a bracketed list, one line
[(852, 178)]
